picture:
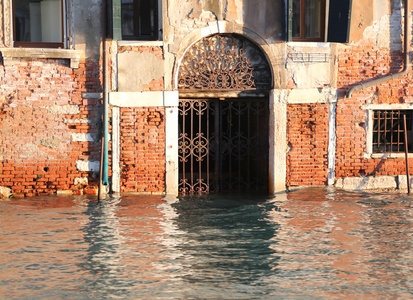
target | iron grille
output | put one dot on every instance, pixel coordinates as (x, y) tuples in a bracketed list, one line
[(224, 63), (223, 145), (388, 131)]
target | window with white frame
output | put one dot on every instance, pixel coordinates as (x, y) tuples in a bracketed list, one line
[(38, 23)]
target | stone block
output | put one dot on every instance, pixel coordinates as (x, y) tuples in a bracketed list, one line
[(367, 183)]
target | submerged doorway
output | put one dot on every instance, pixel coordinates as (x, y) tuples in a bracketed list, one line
[(223, 145), (224, 116)]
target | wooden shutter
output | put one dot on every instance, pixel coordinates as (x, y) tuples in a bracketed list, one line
[(339, 21), (114, 19)]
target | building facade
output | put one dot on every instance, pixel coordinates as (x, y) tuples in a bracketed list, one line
[(203, 96)]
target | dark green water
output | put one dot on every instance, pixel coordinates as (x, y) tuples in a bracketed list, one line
[(308, 244)]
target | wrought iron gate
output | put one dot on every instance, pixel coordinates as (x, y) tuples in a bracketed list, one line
[(223, 145)]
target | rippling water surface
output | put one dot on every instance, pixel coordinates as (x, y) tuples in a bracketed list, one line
[(308, 244)]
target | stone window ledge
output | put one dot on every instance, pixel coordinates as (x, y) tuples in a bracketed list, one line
[(387, 155), (141, 43), (11, 53)]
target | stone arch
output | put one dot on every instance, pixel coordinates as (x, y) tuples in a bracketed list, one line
[(222, 28)]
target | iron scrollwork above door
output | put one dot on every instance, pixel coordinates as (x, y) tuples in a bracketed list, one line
[(224, 62)]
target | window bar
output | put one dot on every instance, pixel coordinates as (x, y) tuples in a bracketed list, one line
[(378, 130), (391, 135), (399, 138), (385, 132)]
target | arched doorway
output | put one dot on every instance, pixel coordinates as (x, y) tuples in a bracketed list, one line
[(223, 84)]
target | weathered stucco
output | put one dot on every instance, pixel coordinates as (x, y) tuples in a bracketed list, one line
[(87, 26), (137, 69)]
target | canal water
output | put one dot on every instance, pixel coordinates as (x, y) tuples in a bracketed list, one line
[(309, 244)]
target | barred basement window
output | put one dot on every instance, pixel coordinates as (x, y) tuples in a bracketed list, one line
[(388, 131)]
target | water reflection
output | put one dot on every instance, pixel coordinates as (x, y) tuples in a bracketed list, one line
[(227, 239), (348, 243), (308, 244)]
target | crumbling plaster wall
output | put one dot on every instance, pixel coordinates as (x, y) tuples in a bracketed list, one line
[(87, 26)]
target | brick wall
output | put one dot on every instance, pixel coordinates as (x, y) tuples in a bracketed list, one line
[(142, 150), (307, 132), (356, 64), (42, 106)]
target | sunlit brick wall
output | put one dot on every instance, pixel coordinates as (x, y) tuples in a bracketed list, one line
[(142, 150), (307, 132), (357, 64), (47, 127)]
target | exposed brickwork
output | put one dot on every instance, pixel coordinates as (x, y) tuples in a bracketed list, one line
[(142, 145), (359, 64), (157, 51), (42, 107), (307, 131)]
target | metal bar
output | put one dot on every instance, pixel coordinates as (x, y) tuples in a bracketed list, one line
[(378, 130), (192, 146), (183, 141), (101, 192), (406, 148), (208, 141), (217, 144), (249, 144), (200, 146), (239, 144)]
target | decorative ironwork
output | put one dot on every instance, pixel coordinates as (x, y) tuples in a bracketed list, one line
[(224, 62), (223, 145)]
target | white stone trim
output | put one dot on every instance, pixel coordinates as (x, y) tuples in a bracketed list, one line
[(171, 150), (314, 95), (116, 149), (388, 106), (144, 99), (332, 140), (141, 43), (368, 183), (278, 141), (170, 100), (32, 53)]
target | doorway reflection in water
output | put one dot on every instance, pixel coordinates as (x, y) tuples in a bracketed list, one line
[(308, 244)]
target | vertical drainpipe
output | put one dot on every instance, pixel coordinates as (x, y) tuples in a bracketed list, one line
[(105, 118)]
